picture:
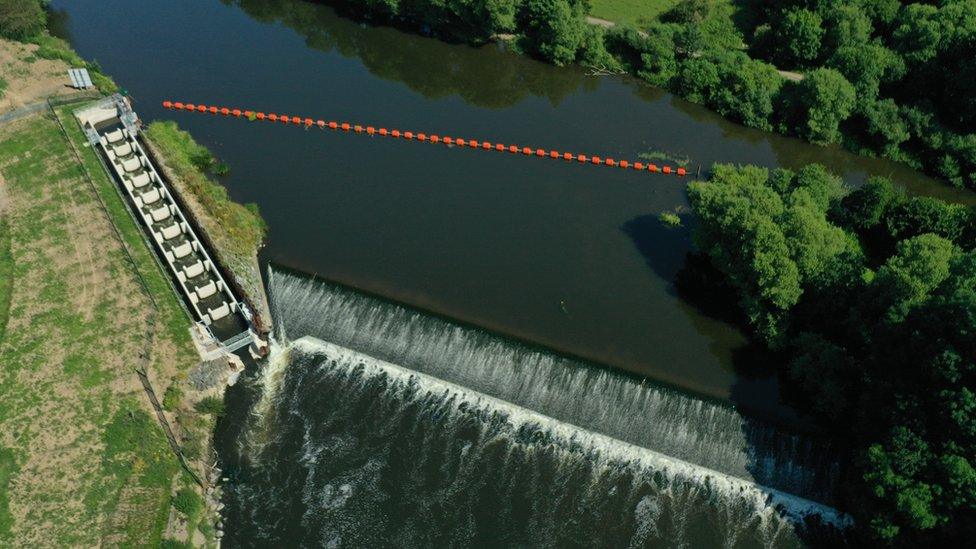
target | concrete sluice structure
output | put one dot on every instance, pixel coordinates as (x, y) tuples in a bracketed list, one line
[(112, 128)]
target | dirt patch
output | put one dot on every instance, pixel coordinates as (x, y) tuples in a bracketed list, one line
[(29, 78)]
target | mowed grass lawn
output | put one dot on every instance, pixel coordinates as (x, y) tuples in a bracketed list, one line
[(630, 11), (82, 462)]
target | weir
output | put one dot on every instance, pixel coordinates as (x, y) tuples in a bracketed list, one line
[(113, 130), (625, 418)]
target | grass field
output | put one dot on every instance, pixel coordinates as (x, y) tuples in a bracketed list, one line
[(82, 462), (629, 11)]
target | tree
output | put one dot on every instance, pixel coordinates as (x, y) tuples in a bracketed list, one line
[(21, 19), (555, 28), (732, 84), (823, 100), (798, 37), (867, 66), (846, 25)]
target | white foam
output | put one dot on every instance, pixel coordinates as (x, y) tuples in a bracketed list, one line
[(602, 447)]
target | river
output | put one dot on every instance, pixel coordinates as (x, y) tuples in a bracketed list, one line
[(569, 257)]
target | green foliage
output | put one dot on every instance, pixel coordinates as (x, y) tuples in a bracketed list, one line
[(799, 34), (555, 29), (172, 397), (211, 405), (8, 466), (888, 358), (822, 101), (670, 219), (732, 84), (188, 502), (6, 276), (192, 162), (21, 19)]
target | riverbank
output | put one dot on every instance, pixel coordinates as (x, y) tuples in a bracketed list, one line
[(106, 410)]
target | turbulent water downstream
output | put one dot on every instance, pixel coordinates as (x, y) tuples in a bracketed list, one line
[(377, 425)]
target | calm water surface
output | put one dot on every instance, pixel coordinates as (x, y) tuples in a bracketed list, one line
[(568, 256)]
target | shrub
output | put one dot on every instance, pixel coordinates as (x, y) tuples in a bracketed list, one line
[(188, 502), (172, 397), (210, 405), (21, 19)]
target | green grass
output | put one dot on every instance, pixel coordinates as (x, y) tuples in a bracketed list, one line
[(8, 465), (191, 162), (50, 47), (6, 275), (71, 357), (211, 405), (3, 86), (630, 11), (172, 313)]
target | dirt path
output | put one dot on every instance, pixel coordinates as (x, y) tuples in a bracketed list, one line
[(29, 78)]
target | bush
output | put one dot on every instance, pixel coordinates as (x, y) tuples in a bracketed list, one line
[(818, 104), (188, 502), (210, 405), (733, 85), (798, 37), (172, 397), (555, 29), (21, 19)]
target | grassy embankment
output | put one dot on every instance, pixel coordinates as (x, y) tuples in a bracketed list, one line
[(82, 462), (237, 230), (635, 12)]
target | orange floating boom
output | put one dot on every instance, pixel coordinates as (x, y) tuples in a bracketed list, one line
[(428, 138)]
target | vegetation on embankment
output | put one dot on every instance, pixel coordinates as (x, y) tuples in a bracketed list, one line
[(26, 21), (237, 230), (882, 78), (84, 463), (869, 298)]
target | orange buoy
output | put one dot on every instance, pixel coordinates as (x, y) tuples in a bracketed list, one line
[(448, 141), (682, 172), (486, 145), (473, 143), (370, 130), (408, 135), (236, 112), (596, 160), (383, 131), (284, 119), (225, 111), (434, 139), (666, 169), (260, 116), (333, 125), (191, 107), (499, 147), (567, 156), (527, 150), (358, 128), (513, 149), (624, 164), (345, 126), (638, 166), (581, 158), (461, 142), (213, 110), (421, 137), (273, 117), (395, 133), (309, 122), (652, 168), (321, 123), (167, 104), (610, 162), (178, 106), (553, 154), (540, 152), (201, 108)]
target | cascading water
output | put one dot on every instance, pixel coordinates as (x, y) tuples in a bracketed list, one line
[(433, 434)]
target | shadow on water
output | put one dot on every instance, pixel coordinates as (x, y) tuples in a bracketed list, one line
[(662, 247), (486, 76)]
